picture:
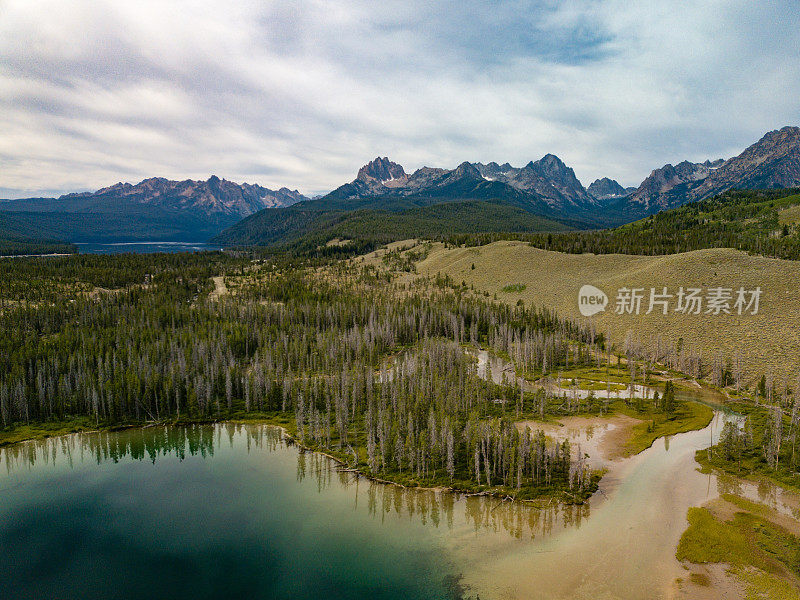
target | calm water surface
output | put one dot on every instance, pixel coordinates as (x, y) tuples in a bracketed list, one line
[(232, 511), (142, 247), (206, 512)]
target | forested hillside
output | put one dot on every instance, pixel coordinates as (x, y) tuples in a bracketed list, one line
[(304, 229), (155, 209), (16, 238), (117, 220), (765, 222), (340, 354), (24, 246)]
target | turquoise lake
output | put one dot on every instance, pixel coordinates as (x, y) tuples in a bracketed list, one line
[(208, 512), (233, 511)]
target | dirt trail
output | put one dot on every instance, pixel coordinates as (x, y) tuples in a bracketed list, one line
[(220, 289)]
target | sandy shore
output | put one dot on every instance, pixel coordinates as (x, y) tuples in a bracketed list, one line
[(602, 438)]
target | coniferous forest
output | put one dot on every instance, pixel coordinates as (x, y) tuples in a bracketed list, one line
[(748, 220), (346, 357), (381, 377)]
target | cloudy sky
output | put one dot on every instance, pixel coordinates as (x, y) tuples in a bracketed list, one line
[(300, 94)]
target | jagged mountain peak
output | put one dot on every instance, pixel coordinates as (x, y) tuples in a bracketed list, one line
[(381, 169), (494, 172), (714, 164), (548, 165), (774, 161), (547, 179), (606, 188), (551, 161), (212, 196), (467, 169), (553, 180), (660, 183), (788, 132)]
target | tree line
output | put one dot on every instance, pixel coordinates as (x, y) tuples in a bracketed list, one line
[(747, 220), (377, 377)]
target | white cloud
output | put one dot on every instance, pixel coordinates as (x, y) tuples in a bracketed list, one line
[(302, 93)]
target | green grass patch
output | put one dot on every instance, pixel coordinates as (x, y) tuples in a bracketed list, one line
[(708, 540), (688, 416), (514, 288), (614, 374), (764, 586), (762, 554), (38, 431), (593, 385)]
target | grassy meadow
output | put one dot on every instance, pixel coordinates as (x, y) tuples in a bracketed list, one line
[(766, 342)]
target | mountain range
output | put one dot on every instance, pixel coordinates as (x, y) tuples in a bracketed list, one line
[(551, 187), (385, 201), (548, 180), (154, 209)]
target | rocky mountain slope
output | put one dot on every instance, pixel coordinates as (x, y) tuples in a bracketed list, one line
[(605, 188), (214, 196), (655, 191), (384, 197), (160, 209), (772, 162), (551, 187), (546, 180)]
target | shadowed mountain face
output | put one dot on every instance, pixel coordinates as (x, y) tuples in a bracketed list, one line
[(605, 188)]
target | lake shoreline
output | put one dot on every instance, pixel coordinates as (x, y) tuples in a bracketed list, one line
[(50, 255), (621, 469), (144, 247), (83, 426), (67, 428)]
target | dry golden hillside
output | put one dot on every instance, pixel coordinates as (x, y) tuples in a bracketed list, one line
[(767, 341)]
